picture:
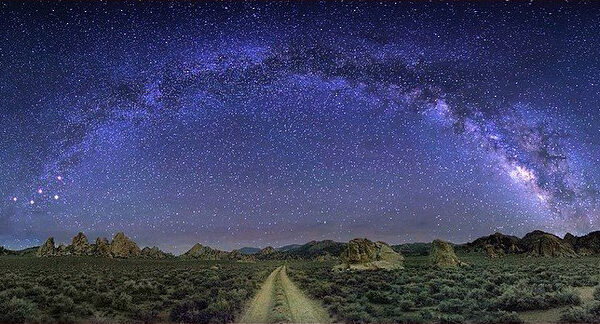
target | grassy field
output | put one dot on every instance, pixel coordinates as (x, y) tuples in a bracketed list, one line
[(512, 289)]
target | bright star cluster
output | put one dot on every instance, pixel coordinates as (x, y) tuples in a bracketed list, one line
[(235, 124)]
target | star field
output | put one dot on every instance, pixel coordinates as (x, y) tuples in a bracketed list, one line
[(235, 124)]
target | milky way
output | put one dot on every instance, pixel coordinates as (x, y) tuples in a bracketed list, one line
[(255, 124)]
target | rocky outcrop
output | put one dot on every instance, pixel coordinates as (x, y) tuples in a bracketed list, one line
[(154, 253), (123, 247), (363, 254), (47, 249), (442, 255), (538, 243), (359, 250), (495, 245), (491, 252), (201, 252), (571, 239), (101, 248), (120, 247), (80, 245), (585, 245), (270, 253)]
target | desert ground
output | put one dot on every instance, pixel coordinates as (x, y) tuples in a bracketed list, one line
[(509, 289)]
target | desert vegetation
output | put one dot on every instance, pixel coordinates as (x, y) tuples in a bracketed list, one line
[(476, 288), (109, 290), (484, 291)]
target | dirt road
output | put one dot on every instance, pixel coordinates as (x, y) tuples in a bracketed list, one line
[(279, 300)]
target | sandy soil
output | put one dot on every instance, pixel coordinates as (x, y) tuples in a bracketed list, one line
[(279, 300)]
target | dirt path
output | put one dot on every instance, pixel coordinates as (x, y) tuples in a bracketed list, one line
[(258, 311), (280, 301), (302, 308)]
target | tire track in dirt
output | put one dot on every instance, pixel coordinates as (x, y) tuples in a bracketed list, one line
[(280, 301)]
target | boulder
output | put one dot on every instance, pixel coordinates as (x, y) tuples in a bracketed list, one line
[(363, 254), (442, 255), (359, 250), (47, 249), (123, 247), (80, 245)]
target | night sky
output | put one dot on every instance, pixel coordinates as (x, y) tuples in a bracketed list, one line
[(235, 124)]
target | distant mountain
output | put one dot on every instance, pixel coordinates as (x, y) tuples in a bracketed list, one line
[(254, 250), (154, 253), (314, 250), (249, 250), (24, 252), (202, 252), (495, 245), (412, 249), (536, 243), (326, 249), (585, 245), (289, 247)]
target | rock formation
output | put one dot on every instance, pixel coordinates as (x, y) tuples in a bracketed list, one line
[(538, 243), (80, 245), (571, 239), (491, 252), (120, 247), (442, 255), (47, 249), (201, 252), (362, 254), (495, 245), (358, 253), (585, 245), (101, 248), (154, 253), (123, 247)]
